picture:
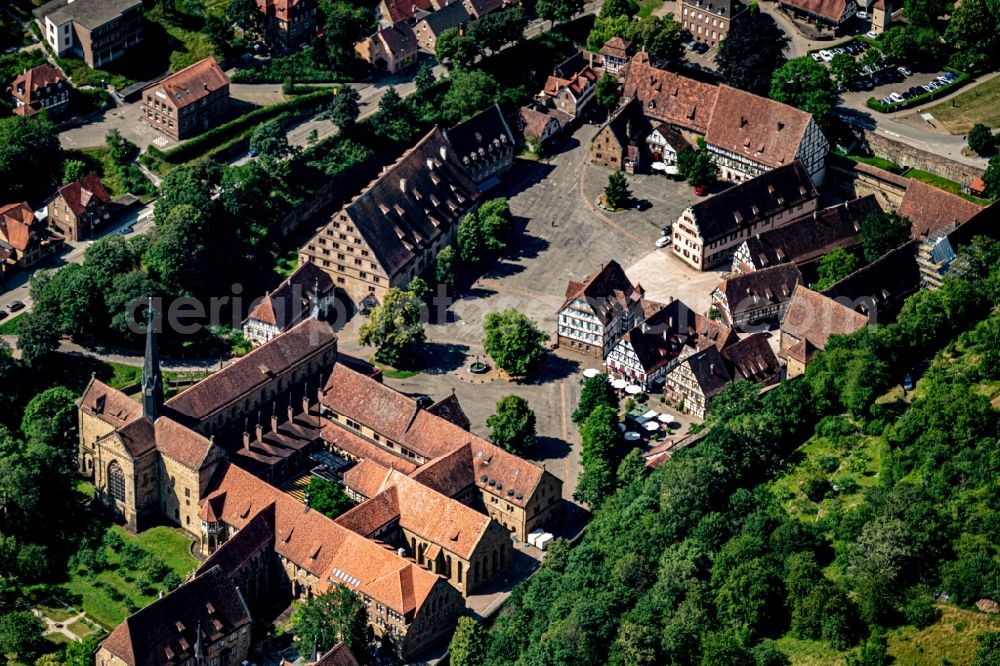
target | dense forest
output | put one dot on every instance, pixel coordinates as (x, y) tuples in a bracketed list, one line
[(743, 549)]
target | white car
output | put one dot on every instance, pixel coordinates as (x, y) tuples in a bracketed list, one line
[(905, 71), (827, 56), (896, 98), (817, 57), (871, 34), (862, 15), (663, 241)]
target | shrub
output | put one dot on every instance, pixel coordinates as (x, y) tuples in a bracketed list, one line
[(921, 612), (963, 78)]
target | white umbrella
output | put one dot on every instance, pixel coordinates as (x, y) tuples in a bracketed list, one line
[(591, 372), (631, 436), (651, 426), (666, 418), (633, 389), (619, 384)]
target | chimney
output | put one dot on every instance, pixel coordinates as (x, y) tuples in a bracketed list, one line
[(260, 432), (274, 422), (246, 440), (291, 411)]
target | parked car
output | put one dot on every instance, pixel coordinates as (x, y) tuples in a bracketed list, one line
[(885, 100), (908, 382), (817, 57), (871, 34), (827, 56), (905, 71), (862, 15), (3, 315), (896, 97), (16, 306), (951, 76), (702, 47), (642, 204), (663, 241), (927, 88), (692, 45), (701, 190)]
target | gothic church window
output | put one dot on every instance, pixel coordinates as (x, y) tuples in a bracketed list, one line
[(116, 481)]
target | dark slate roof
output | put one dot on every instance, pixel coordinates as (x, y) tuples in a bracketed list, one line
[(481, 135), (604, 291), (257, 535), (450, 410), (629, 124), (414, 202), (448, 17), (878, 290), (770, 193), (812, 237), (757, 289), (664, 335), (289, 303), (752, 359), (985, 223), (165, 631), (709, 370), (88, 13)]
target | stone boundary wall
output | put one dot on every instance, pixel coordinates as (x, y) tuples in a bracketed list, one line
[(906, 155)]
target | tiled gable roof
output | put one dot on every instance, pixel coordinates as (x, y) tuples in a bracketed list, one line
[(752, 359), (449, 474), (985, 223), (761, 129), (480, 8), (191, 84), (368, 478), (878, 289), (813, 236), (181, 443), (360, 448), (370, 402), (90, 14), (670, 332), (616, 47), (80, 193), (709, 370), (481, 135), (398, 39), (829, 9), (289, 302), (403, 10), (27, 86), (532, 122), (257, 535), (165, 631), (109, 404), (249, 372), (446, 18), (929, 208), (606, 290), (413, 203), (451, 410), (17, 225), (138, 436), (670, 97), (757, 199), (815, 317), (339, 655), (761, 288)]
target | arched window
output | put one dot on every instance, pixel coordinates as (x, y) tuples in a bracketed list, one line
[(116, 481)]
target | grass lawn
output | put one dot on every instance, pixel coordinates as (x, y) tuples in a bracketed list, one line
[(647, 7), (9, 326), (172, 544), (187, 43), (952, 640), (976, 105), (810, 653), (943, 184), (99, 159), (57, 638), (393, 373), (57, 613), (81, 629)]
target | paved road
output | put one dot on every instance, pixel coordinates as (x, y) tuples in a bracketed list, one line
[(16, 287)]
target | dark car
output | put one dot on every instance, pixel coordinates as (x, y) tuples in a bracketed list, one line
[(642, 204), (15, 306), (3, 315), (908, 382)]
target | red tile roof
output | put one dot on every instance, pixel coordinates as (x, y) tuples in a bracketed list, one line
[(752, 359), (670, 97), (17, 222), (930, 209), (340, 655), (761, 288), (191, 84), (606, 290), (814, 317), (32, 84), (368, 478), (80, 193), (616, 47), (758, 128), (289, 302), (181, 443), (833, 10), (361, 449), (109, 404)]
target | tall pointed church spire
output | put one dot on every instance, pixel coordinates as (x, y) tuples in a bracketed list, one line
[(152, 381)]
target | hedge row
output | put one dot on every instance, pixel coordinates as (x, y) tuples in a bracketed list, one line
[(236, 128), (963, 78)]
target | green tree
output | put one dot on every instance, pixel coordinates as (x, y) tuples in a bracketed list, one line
[(924, 13), (596, 391), (21, 635), (558, 11), (835, 266), (444, 267), (607, 93), (882, 232), (974, 32), (513, 341), (512, 425), (661, 37), (345, 108), (469, 644), (177, 255), (981, 140), (122, 150), (74, 170), (38, 336), (496, 223), (845, 68), (424, 79), (245, 14), (270, 141), (344, 25), (469, 92), (632, 468), (872, 652), (988, 652), (81, 653), (51, 418), (395, 119), (696, 167), (767, 653), (606, 27), (613, 8), (395, 327), (418, 287), (805, 84), (456, 50), (600, 455), (753, 48), (724, 648), (991, 178), (327, 619), (617, 194), (469, 239), (107, 258), (327, 497), (30, 158), (496, 30)]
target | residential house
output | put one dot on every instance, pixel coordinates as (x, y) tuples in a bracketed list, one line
[(834, 13), (750, 135), (708, 21), (570, 95), (24, 239), (879, 289), (391, 12), (810, 319), (188, 102), (429, 28), (539, 128), (707, 232), (598, 311), (80, 207), (806, 240), (99, 31), (479, 8), (391, 49), (205, 620), (752, 359), (652, 348), (665, 143), (394, 229), (752, 298), (619, 143), (339, 655), (485, 146), (41, 87), (937, 255), (930, 209), (292, 301), (290, 22), (615, 55), (696, 380)]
